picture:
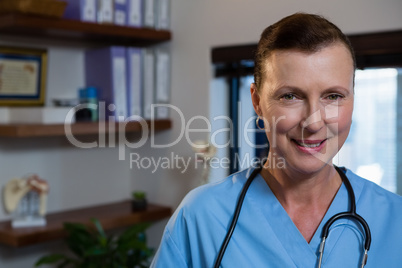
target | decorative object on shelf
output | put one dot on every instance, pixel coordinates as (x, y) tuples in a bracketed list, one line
[(204, 152), (26, 199), (94, 248), (66, 102), (48, 8), (87, 110), (139, 201), (22, 76)]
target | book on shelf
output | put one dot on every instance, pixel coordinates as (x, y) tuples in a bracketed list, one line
[(134, 10), (153, 14), (83, 10), (104, 11), (120, 12), (149, 13), (162, 85), (105, 69), (132, 80), (162, 15), (149, 82)]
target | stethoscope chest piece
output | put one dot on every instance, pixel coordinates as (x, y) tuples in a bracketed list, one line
[(352, 215)]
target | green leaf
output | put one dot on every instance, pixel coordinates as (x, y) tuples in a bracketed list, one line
[(65, 263), (50, 259), (76, 227), (99, 227), (95, 251), (79, 243), (132, 232), (103, 241), (139, 195)]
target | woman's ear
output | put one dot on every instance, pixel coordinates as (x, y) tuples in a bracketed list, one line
[(255, 98)]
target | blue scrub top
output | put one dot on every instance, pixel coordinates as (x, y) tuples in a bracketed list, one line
[(265, 236)]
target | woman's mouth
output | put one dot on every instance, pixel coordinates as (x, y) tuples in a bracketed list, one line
[(309, 146)]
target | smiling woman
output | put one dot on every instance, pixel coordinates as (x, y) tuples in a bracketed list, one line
[(303, 91), (315, 102)]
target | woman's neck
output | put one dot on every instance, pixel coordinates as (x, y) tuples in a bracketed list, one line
[(305, 197), (288, 185)]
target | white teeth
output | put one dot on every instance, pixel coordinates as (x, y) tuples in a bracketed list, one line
[(309, 145)]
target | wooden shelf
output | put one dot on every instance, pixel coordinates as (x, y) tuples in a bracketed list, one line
[(90, 128), (111, 216), (63, 29)]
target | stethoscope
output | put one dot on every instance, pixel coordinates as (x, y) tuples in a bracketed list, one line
[(351, 214)]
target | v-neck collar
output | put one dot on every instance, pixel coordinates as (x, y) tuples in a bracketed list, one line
[(302, 253)]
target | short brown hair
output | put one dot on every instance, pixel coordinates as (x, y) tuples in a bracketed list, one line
[(305, 32)]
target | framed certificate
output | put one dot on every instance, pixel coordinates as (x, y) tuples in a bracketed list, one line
[(22, 76)]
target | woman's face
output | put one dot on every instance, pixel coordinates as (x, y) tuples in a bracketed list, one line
[(306, 101)]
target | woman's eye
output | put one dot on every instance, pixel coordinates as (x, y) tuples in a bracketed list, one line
[(334, 97), (288, 96)]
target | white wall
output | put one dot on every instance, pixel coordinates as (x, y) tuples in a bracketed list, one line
[(84, 177)]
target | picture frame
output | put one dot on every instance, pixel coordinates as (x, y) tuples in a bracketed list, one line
[(23, 73)]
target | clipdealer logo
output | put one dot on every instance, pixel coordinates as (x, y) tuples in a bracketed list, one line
[(107, 129), (147, 130)]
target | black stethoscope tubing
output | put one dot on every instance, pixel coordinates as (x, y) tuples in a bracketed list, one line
[(236, 216), (351, 214)]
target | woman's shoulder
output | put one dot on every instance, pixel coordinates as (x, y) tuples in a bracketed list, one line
[(212, 198), (214, 191), (371, 190)]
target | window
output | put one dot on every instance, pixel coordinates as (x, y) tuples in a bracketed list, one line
[(371, 148)]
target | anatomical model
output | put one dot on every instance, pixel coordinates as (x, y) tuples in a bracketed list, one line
[(26, 198)]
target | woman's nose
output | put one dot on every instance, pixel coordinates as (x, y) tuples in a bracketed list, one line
[(313, 121)]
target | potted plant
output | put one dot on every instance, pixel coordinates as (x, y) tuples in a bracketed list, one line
[(139, 201), (93, 248)]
